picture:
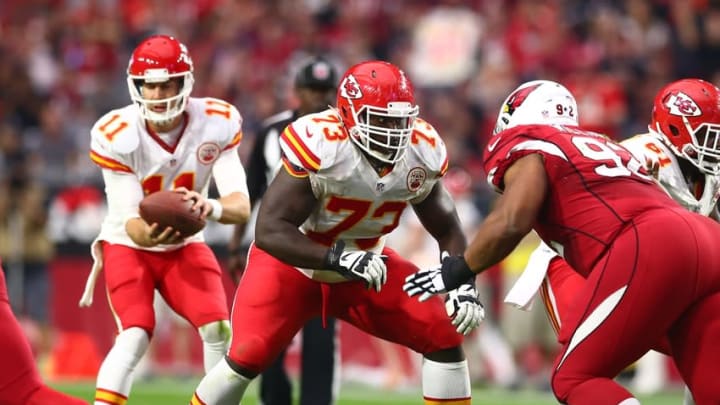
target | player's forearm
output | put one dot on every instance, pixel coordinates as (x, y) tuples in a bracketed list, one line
[(235, 208), (446, 230), (438, 215), (136, 229), (497, 237), (514, 215), (453, 241), (287, 243)]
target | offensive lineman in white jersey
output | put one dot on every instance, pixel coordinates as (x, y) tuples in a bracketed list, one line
[(682, 149), (349, 172), (165, 140)]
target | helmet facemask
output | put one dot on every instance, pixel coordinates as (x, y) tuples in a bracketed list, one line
[(384, 133), (173, 106), (704, 150), (686, 117)]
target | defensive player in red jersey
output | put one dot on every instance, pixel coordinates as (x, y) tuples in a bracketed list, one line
[(651, 266), (348, 174), (685, 165), (164, 140), (20, 382)]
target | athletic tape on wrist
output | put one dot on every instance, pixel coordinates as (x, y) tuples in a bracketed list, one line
[(217, 209)]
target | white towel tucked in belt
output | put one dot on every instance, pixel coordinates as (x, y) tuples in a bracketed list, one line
[(522, 293)]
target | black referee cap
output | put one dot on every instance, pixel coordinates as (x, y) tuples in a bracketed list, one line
[(316, 73)]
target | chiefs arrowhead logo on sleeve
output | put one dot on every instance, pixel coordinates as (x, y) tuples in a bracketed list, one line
[(208, 152), (416, 178), (350, 89)]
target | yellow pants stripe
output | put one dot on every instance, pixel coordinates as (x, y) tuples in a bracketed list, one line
[(109, 397), (196, 401)]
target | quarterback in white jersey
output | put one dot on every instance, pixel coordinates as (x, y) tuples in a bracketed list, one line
[(205, 147), (349, 172), (165, 140), (682, 150)]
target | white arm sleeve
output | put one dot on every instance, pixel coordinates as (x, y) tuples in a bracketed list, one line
[(229, 173), (124, 193)]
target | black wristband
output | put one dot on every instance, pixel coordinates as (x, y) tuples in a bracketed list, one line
[(455, 272), (332, 257)]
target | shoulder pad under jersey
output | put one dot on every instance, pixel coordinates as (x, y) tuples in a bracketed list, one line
[(115, 133), (223, 117), (428, 147), (312, 141), (643, 145)]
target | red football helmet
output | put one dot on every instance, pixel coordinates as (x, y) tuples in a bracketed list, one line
[(157, 59), (686, 115), (376, 102)]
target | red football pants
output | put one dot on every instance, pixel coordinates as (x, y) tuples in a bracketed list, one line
[(660, 278), (274, 300)]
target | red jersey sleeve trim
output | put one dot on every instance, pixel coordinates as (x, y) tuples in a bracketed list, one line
[(444, 166), (235, 141), (293, 170)]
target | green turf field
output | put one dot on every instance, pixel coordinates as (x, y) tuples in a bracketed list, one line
[(174, 392)]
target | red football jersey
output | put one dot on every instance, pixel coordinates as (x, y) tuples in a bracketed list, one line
[(595, 187)]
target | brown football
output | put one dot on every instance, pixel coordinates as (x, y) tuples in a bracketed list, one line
[(167, 208)]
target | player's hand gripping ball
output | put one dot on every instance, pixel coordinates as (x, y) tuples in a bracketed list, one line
[(168, 208)]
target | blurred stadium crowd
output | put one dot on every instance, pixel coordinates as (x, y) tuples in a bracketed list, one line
[(62, 64)]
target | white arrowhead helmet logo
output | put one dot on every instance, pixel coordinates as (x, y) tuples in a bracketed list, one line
[(350, 89), (681, 104)]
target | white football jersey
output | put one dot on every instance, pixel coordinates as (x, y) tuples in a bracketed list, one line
[(700, 198), (356, 204), (122, 142)]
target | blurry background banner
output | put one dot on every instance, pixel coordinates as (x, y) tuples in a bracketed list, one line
[(444, 47)]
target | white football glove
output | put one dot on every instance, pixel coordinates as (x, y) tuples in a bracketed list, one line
[(451, 274), (358, 265), (426, 282), (463, 306)]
